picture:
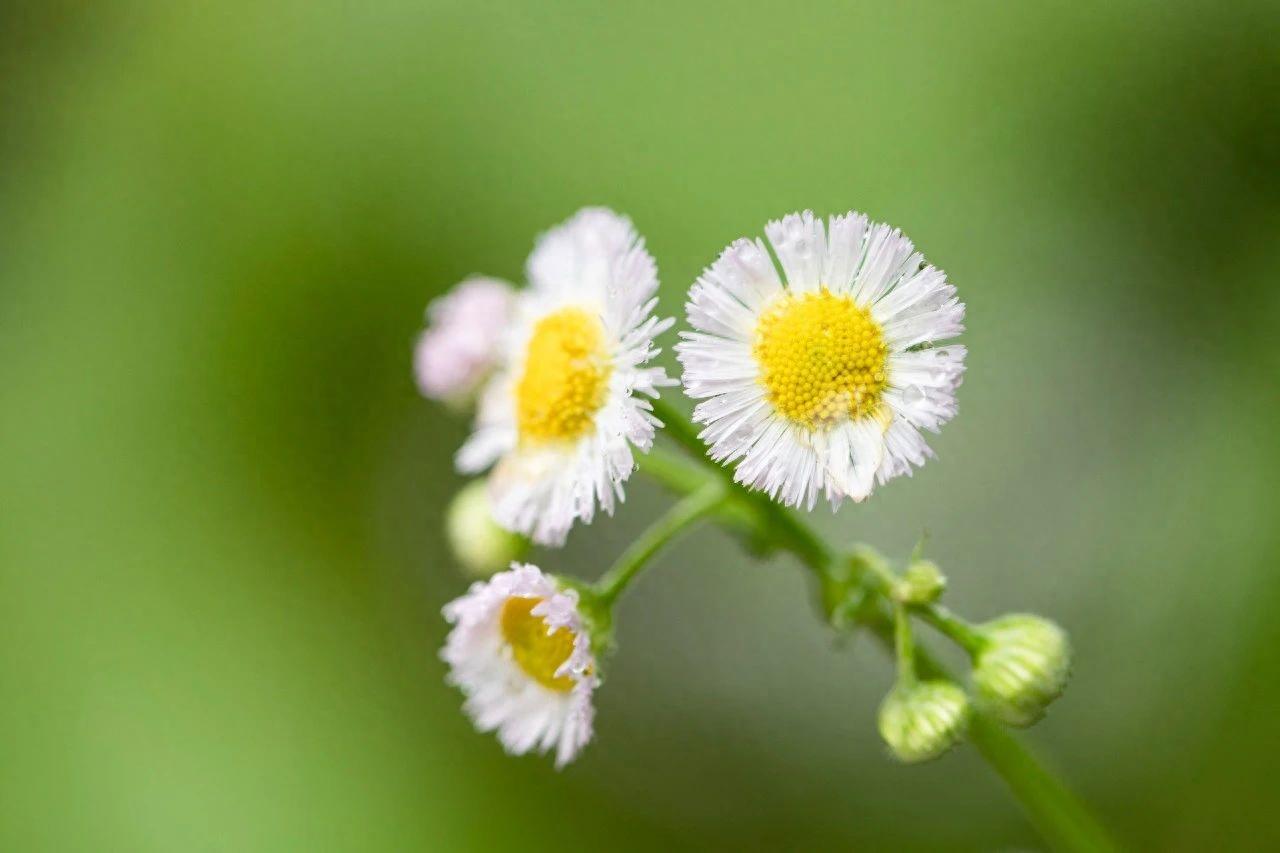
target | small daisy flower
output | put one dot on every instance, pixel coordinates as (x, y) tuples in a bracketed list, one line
[(459, 348), (559, 419), (819, 382), (521, 652)]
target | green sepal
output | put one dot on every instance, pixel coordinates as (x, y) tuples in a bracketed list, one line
[(598, 618)]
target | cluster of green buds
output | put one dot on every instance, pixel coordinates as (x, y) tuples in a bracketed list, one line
[(1020, 664)]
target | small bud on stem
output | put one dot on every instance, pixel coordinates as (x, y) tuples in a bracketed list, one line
[(1023, 665), (922, 583), (923, 720), (919, 720), (479, 544)]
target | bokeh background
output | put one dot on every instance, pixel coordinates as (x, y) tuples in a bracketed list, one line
[(221, 498)]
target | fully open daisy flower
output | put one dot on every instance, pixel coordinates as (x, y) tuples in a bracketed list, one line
[(820, 384), (459, 349), (560, 417), (521, 653)]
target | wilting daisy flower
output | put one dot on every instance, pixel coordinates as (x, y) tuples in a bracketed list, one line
[(521, 653), (459, 348), (561, 416), (820, 384)]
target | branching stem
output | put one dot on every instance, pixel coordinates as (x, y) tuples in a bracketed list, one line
[(1060, 816)]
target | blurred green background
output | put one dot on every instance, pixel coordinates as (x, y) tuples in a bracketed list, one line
[(221, 564)]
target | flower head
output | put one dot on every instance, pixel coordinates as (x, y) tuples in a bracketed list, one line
[(521, 652), (460, 348), (479, 544), (1024, 665), (819, 382), (560, 418)]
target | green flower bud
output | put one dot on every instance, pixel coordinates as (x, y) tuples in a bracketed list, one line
[(1023, 665), (478, 543), (922, 720), (922, 583)]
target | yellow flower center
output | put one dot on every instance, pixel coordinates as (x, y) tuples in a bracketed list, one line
[(822, 358), (538, 652), (566, 377)]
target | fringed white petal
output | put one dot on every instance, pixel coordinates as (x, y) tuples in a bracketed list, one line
[(801, 245), (846, 241), (725, 298), (581, 257)]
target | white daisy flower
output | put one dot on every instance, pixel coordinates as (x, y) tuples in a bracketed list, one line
[(562, 414), (821, 384), (521, 652), (459, 349)]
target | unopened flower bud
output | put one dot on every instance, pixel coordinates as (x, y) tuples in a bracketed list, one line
[(1023, 665), (921, 721), (479, 544), (922, 583)]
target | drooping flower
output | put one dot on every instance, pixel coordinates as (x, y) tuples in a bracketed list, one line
[(520, 651), (561, 416), (819, 382), (460, 346)]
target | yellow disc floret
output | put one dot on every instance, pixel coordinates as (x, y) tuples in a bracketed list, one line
[(537, 652), (822, 358), (566, 377)]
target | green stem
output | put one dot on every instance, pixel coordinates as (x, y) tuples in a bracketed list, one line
[(687, 511), (952, 626), (1054, 809), (902, 646), (780, 523), (874, 569), (1060, 816), (674, 473)]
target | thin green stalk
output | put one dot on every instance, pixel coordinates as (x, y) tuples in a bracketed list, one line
[(674, 473), (781, 523), (904, 650), (952, 626), (1060, 816), (1054, 809), (687, 511), (874, 569)]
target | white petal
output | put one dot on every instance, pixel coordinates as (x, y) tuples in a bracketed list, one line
[(887, 258), (846, 240), (577, 259), (801, 247)]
